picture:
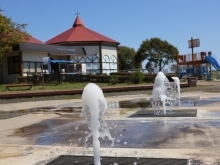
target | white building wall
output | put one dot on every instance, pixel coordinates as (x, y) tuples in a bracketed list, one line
[(33, 56), (90, 50), (109, 51)]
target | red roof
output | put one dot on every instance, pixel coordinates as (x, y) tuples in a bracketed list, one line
[(34, 40), (79, 33)]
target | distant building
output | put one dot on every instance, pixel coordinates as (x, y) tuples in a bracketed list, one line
[(77, 44)]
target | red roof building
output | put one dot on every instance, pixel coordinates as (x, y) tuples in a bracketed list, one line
[(92, 51), (78, 33), (100, 51), (34, 40)]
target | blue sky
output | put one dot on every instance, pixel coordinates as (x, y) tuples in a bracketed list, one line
[(126, 21)]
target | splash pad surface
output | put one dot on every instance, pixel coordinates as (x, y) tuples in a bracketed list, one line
[(158, 137)]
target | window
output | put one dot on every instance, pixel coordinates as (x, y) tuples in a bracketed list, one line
[(113, 64), (78, 59), (13, 65), (109, 64), (93, 64), (32, 67)]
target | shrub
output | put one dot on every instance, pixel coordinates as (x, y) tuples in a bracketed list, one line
[(114, 79), (22, 79), (149, 78), (137, 77)]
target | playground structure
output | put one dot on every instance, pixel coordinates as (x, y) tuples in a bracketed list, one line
[(197, 65)]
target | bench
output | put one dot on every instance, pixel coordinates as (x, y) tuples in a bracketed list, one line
[(17, 85)]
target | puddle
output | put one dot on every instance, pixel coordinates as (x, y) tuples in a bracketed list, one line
[(136, 134), (185, 102), (136, 103), (11, 114), (173, 113)]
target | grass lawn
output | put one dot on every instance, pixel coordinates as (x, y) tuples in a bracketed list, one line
[(65, 86), (62, 86)]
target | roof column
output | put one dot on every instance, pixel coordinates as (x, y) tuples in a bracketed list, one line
[(100, 54), (20, 62), (117, 58)]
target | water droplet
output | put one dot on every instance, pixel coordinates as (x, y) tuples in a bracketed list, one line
[(118, 140), (120, 134), (115, 163), (125, 143), (135, 163), (76, 128), (79, 139)]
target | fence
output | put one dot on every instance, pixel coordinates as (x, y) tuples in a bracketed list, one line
[(123, 77)]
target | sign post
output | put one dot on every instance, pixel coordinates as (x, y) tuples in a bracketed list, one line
[(193, 43)]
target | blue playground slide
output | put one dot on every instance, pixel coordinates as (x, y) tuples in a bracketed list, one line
[(212, 61), (216, 63)]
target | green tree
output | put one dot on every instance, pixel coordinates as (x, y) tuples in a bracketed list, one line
[(126, 57), (157, 52), (11, 34)]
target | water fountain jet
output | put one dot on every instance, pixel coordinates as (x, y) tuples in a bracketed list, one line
[(94, 107), (164, 94)]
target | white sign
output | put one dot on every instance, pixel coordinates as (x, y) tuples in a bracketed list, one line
[(66, 49)]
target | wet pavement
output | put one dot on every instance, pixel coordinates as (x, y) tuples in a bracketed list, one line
[(127, 134), (42, 132), (135, 103)]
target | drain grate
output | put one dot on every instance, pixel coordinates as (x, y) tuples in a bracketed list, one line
[(173, 113), (88, 160)]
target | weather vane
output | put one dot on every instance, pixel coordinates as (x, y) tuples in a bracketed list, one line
[(77, 13)]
